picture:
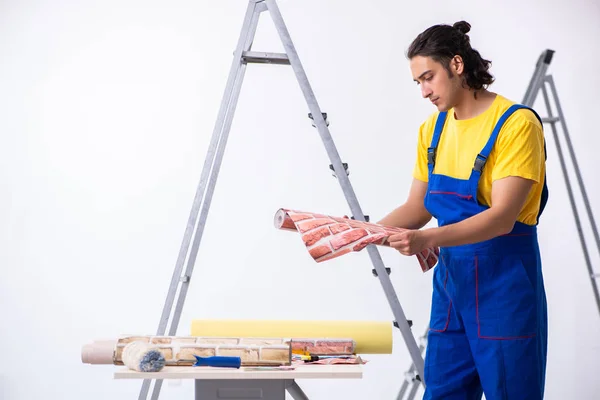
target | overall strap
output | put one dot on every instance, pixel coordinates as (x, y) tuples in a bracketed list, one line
[(437, 132), (481, 158)]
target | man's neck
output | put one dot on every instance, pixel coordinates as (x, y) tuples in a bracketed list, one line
[(471, 106)]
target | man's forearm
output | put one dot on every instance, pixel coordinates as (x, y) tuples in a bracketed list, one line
[(483, 226), (406, 216)]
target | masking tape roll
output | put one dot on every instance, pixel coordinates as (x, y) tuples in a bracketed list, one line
[(371, 337)]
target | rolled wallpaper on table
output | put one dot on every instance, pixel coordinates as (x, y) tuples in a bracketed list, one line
[(181, 350), (327, 237)]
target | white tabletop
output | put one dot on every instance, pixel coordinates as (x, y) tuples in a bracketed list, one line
[(315, 371)]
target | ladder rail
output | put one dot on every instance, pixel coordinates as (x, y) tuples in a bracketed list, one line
[(204, 190), (585, 197), (345, 184), (548, 79), (539, 81)]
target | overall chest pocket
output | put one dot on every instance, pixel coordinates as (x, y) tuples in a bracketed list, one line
[(449, 206)]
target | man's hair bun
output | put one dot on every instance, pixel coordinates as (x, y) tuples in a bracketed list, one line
[(462, 26)]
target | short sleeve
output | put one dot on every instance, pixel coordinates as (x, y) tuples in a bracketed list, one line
[(520, 149), (420, 170)]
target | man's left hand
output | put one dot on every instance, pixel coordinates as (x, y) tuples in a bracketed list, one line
[(409, 242)]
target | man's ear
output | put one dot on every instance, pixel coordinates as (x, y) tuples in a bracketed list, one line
[(457, 65)]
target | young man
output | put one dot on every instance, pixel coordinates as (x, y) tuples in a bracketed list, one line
[(480, 172)]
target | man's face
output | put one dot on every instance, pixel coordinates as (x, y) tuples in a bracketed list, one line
[(437, 85)]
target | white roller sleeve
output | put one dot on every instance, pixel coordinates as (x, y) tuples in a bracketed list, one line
[(143, 357)]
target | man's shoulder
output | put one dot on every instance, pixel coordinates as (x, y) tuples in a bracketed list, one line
[(519, 118), (522, 128)]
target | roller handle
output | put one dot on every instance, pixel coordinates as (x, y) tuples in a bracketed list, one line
[(218, 361)]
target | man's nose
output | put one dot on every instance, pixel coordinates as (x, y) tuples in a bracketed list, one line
[(425, 91)]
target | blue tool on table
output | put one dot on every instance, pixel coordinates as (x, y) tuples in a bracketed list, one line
[(218, 361)]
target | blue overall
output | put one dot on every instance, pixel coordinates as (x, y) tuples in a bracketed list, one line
[(488, 323)]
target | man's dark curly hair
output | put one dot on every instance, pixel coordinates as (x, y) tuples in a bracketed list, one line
[(443, 42)]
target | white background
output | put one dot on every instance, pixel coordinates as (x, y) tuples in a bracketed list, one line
[(106, 112)]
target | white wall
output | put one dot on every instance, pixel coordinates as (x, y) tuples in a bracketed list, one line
[(106, 111)]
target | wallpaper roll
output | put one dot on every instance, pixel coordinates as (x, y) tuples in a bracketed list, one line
[(182, 350), (98, 352), (370, 337), (327, 237)]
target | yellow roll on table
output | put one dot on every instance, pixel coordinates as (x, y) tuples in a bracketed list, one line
[(371, 337)]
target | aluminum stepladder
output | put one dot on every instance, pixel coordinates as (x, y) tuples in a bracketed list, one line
[(538, 82), (196, 222)]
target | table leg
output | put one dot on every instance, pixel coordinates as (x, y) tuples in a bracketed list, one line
[(241, 389)]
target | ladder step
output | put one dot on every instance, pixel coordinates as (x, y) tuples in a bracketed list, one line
[(410, 323), (595, 276), (265, 58), (387, 269), (551, 120)]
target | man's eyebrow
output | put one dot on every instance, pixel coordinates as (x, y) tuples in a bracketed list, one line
[(422, 75)]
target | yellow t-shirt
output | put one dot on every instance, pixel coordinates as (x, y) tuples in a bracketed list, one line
[(518, 151)]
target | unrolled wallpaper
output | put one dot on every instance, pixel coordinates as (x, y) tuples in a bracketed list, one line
[(327, 237)]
